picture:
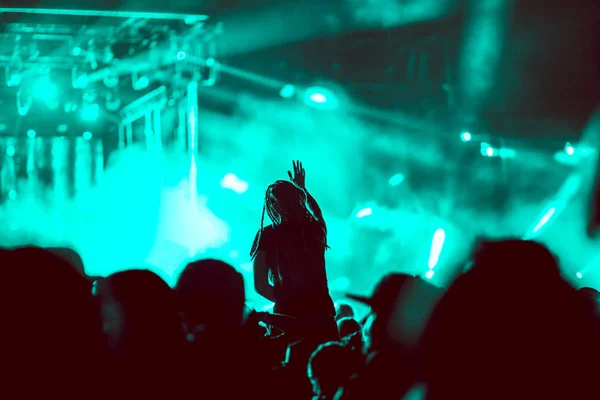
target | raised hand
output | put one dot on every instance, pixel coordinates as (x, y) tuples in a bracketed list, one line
[(299, 175)]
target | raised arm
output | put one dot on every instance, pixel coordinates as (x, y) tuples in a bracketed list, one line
[(299, 178)]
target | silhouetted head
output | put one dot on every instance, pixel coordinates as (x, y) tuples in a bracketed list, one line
[(510, 323), (212, 295), (140, 312), (285, 201), (329, 367), (51, 328)]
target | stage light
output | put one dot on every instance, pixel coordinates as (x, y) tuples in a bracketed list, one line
[(365, 212), (79, 80), (112, 102), (45, 89), (321, 97), (31, 134), (570, 150), (487, 150), (429, 274), (90, 111), (465, 137), (111, 81), (437, 243), (181, 55), (318, 98), (288, 91), (139, 82), (76, 51), (396, 180), (13, 72), (87, 135), (62, 128), (11, 151), (24, 101), (579, 275), (232, 182), (544, 220), (13, 78)]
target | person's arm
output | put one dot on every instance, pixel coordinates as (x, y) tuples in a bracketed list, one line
[(261, 276)]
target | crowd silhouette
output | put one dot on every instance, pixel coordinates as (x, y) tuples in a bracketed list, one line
[(508, 327)]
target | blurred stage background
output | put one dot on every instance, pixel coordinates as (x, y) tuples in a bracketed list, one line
[(144, 135)]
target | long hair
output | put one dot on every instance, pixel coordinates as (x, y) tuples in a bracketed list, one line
[(287, 202)]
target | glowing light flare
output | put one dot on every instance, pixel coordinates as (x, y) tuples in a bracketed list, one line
[(31, 134), (429, 274), (288, 91), (87, 135), (466, 137), (365, 212), (544, 220), (579, 275), (321, 98), (570, 150), (44, 89), (192, 121), (90, 112), (437, 243), (396, 180), (181, 55), (232, 182), (140, 83), (318, 98)]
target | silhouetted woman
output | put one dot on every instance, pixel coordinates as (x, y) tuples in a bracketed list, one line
[(289, 256)]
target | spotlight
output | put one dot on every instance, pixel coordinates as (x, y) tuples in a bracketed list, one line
[(111, 81), (429, 274), (90, 111), (45, 89), (465, 137), (365, 212), (79, 80), (321, 98), (87, 135), (181, 55), (13, 77), (487, 150), (24, 101), (113, 102), (70, 107), (31, 134), (139, 82), (579, 275), (288, 91), (232, 182), (396, 180), (570, 150)]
